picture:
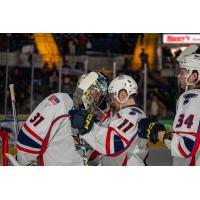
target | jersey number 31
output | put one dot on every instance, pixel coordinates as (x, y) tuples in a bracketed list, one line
[(38, 118)]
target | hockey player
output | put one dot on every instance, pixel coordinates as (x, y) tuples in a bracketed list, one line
[(46, 138), (116, 138), (185, 140)]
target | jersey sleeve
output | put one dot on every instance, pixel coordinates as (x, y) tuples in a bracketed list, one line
[(114, 139), (34, 132)]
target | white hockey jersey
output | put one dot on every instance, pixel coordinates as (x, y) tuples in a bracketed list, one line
[(46, 136), (118, 140), (186, 140)]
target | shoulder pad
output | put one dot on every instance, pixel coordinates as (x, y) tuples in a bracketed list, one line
[(134, 109), (188, 96)]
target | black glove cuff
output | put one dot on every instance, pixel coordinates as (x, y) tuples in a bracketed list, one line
[(168, 136), (156, 128), (160, 127)]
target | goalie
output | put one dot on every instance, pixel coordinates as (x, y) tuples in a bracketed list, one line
[(46, 138)]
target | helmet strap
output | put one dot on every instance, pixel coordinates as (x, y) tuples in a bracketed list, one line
[(121, 102), (189, 73)]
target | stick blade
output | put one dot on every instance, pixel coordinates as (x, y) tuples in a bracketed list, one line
[(189, 50), (12, 160)]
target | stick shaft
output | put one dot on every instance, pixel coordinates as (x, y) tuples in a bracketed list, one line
[(15, 118), (16, 125)]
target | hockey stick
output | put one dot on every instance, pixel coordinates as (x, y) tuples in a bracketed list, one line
[(189, 50), (13, 101), (12, 160)]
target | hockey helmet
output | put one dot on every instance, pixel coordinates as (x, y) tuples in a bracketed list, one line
[(190, 63), (122, 82)]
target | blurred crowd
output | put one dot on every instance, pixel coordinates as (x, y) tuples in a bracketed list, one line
[(75, 43), (15, 41), (45, 82), (107, 43), (169, 58), (161, 96)]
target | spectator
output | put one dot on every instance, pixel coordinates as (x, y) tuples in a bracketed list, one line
[(177, 53), (156, 107), (53, 80), (126, 65), (65, 64), (125, 43), (79, 66), (141, 36), (44, 76), (66, 38), (167, 51), (88, 45), (144, 58), (81, 44), (72, 48)]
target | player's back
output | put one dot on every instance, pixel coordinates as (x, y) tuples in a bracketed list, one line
[(47, 133)]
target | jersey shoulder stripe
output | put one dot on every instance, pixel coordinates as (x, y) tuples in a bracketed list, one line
[(29, 130), (26, 140), (27, 149)]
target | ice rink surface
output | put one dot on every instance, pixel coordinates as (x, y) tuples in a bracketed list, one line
[(159, 157)]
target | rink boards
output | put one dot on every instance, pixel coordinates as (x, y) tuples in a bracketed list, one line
[(159, 155)]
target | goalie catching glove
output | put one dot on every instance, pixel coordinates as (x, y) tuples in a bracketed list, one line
[(82, 120), (148, 128)]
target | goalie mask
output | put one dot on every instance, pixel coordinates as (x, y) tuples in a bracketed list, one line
[(91, 92)]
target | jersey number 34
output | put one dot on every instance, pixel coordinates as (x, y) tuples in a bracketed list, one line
[(183, 120)]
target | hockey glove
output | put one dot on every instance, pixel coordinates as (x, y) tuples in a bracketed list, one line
[(82, 120), (168, 136), (148, 128)]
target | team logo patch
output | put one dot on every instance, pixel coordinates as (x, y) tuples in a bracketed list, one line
[(54, 100), (188, 97)]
